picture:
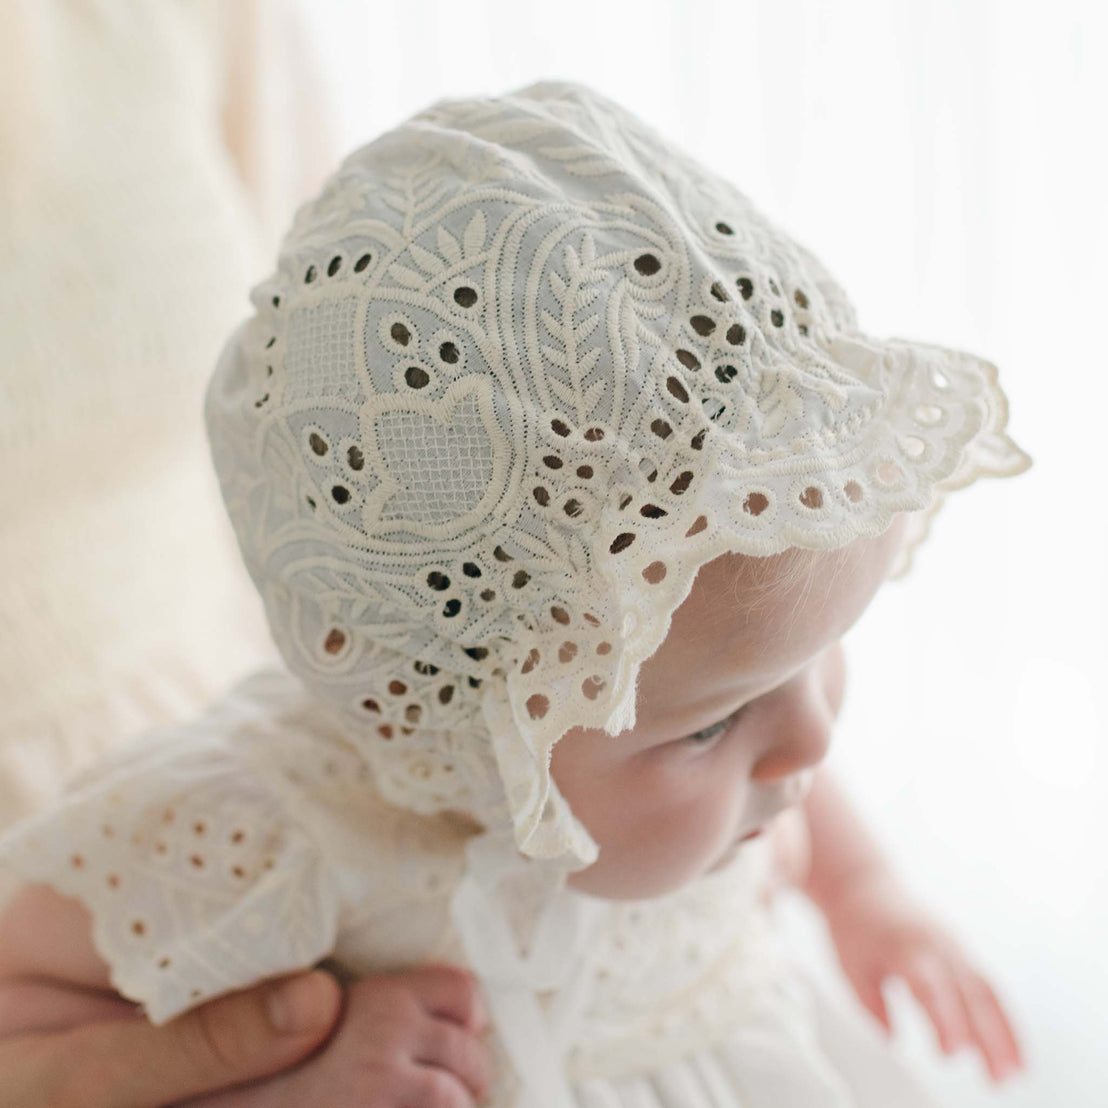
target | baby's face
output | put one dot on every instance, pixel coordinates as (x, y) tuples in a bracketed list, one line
[(671, 798)]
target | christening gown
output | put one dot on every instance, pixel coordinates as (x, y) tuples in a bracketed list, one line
[(252, 842)]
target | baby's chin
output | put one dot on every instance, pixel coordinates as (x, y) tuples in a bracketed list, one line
[(736, 848), (644, 878)]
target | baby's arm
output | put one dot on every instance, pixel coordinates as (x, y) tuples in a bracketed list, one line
[(51, 976), (880, 930)]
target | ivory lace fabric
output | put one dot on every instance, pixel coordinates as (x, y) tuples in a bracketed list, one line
[(523, 367), (252, 842)]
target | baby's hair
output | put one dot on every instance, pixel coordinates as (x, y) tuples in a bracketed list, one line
[(757, 582)]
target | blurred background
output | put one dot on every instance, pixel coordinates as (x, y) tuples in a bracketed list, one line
[(946, 160)]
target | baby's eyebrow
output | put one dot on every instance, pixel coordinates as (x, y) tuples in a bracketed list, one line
[(661, 734), (680, 724)]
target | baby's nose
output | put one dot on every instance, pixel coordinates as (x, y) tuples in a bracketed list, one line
[(801, 737)]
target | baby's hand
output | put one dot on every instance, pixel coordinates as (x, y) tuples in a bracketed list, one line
[(406, 1040), (879, 932)]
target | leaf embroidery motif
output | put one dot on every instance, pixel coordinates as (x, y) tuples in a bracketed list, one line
[(474, 237), (425, 259), (407, 276), (448, 244)]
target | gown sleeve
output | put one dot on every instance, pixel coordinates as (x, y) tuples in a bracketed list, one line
[(198, 873)]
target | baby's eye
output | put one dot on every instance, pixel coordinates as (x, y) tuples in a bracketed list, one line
[(706, 735)]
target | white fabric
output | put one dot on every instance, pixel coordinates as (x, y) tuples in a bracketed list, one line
[(523, 367), (251, 842)]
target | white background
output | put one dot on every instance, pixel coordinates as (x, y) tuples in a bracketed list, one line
[(946, 161)]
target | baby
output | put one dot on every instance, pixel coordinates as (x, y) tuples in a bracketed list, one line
[(562, 473)]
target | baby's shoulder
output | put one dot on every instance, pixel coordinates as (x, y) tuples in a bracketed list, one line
[(305, 755)]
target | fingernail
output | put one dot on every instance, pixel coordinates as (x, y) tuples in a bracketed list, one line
[(300, 1005)]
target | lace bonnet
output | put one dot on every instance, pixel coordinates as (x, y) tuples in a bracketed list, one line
[(523, 367)]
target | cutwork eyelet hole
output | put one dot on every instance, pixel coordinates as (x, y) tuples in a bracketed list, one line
[(889, 473), (755, 503), (591, 687), (677, 390)]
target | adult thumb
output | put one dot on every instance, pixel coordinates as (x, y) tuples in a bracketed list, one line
[(230, 1040)]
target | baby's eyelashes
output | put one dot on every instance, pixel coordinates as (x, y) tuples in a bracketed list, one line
[(707, 734)]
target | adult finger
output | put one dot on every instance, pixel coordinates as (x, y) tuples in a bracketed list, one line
[(236, 1038), (449, 992), (451, 1048)]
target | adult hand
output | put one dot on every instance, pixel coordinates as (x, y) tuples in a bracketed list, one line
[(128, 1063)]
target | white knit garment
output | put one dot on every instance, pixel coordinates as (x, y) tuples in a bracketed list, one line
[(149, 161), (524, 366)]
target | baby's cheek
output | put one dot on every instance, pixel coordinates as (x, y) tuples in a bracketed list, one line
[(696, 833), (656, 828), (682, 828)]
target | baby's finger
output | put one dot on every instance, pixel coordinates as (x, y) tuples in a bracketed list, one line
[(450, 993), (934, 988), (869, 993), (431, 1085), (451, 1048), (991, 1029)]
